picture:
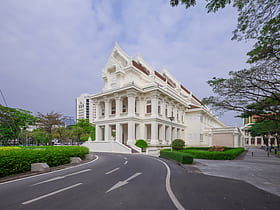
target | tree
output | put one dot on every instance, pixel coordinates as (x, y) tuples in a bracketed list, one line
[(12, 121), (253, 16), (49, 121), (62, 134), (258, 20), (83, 130), (39, 136), (254, 92)]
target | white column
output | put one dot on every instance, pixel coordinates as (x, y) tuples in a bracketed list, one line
[(154, 106), (97, 110), (118, 132), (154, 133), (107, 135), (162, 134), (107, 108), (118, 106), (131, 105), (169, 134), (131, 133), (97, 133)]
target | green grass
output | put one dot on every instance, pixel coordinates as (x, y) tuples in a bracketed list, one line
[(19, 160)]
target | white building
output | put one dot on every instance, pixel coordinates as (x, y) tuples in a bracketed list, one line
[(137, 103), (85, 108), (255, 141)]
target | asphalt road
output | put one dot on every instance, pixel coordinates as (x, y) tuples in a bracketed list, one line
[(122, 181)]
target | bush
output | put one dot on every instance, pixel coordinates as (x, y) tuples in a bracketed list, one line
[(178, 156), (228, 154), (141, 143), (178, 144), (19, 161)]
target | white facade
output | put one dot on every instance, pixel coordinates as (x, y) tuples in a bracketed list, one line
[(137, 103), (85, 108), (256, 141)]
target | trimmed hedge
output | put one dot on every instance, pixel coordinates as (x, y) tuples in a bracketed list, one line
[(228, 154), (178, 144), (178, 156), (141, 143), (19, 161)]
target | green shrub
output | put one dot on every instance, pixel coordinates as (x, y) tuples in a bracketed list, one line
[(227, 154), (178, 144), (19, 161), (141, 143), (176, 155)]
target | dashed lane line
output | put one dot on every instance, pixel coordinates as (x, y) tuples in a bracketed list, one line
[(50, 194)]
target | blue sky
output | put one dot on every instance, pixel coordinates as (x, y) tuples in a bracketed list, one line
[(53, 51)]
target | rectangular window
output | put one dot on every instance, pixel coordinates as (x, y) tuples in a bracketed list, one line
[(201, 137), (149, 109), (149, 106)]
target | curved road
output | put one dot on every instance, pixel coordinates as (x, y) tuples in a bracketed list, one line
[(123, 181)]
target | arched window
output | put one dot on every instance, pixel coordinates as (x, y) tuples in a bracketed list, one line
[(149, 106), (166, 109), (159, 106)]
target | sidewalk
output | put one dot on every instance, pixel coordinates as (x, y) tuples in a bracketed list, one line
[(259, 170)]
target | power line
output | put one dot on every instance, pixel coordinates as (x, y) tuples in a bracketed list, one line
[(3, 98)]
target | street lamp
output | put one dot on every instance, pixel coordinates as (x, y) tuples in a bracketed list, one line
[(171, 119)]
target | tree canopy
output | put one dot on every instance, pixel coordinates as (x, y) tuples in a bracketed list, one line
[(255, 90), (83, 130), (49, 121), (12, 121)]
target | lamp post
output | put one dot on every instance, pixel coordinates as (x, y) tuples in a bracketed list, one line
[(171, 119)]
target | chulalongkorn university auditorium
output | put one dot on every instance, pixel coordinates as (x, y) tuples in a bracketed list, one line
[(138, 102)]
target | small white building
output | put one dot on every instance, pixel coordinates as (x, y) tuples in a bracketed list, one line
[(255, 141), (85, 108), (137, 102)]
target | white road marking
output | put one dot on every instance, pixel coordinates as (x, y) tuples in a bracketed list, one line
[(61, 177), (29, 177), (125, 162), (122, 183), (168, 188), (109, 172), (78, 172), (125, 158), (50, 194), (49, 180)]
